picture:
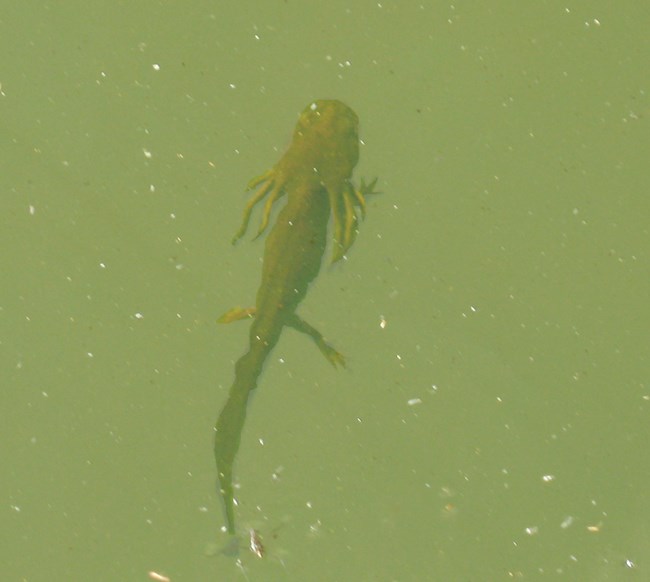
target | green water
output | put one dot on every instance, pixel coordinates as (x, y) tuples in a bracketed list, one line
[(494, 428)]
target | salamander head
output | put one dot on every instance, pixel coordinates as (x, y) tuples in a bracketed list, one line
[(328, 134)]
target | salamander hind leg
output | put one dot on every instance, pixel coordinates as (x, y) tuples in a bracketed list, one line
[(331, 355), (237, 314)]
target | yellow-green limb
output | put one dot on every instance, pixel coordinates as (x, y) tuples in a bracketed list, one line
[(236, 314), (331, 355), (344, 215), (269, 185)]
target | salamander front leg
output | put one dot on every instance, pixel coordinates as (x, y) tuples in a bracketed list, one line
[(344, 215)]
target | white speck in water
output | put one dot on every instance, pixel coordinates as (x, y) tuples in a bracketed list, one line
[(275, 476), (314, 528), (567, 522), (256, 543)]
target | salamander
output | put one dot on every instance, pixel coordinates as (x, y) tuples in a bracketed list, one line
[(315, 175)]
